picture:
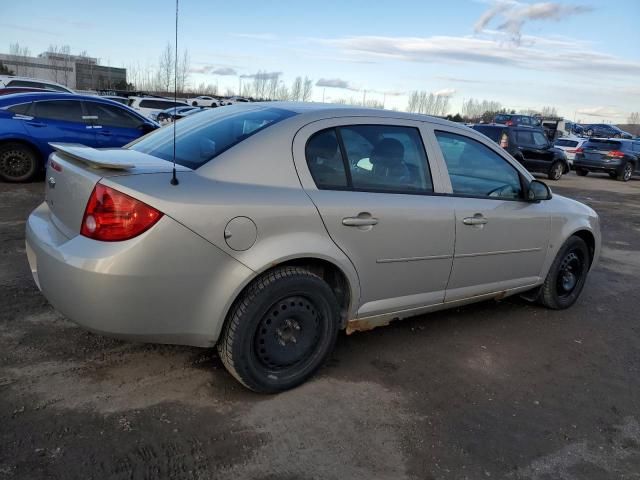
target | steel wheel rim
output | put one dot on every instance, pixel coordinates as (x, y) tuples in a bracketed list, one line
[(570, 273), (628, 170), (15, 163), (557, 171), (289, 333)]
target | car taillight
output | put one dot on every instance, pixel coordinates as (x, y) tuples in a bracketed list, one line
[(579, 150), (508, 123), (112, 216), (615, 154)]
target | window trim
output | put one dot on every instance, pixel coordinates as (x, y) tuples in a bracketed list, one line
[(345, 160)]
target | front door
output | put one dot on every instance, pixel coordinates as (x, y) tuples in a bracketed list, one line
[(113, 125), (501, 240), (373, 188)]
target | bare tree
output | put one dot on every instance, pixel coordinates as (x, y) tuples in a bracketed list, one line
[(184, 65), (22, 55), (67, 64), (296, 89), (548, 111), (307, 89), (634, 118), (166, 66), (272, 87)]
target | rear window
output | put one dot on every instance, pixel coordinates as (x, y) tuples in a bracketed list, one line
[(492, 132), (202, 137), (566, 143), (502, 118), (605, 145)]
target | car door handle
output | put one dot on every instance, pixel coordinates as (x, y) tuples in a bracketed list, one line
[(359, 221), (37, 124), (477, 219)]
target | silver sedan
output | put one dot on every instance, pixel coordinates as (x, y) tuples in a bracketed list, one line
[(285, 223)]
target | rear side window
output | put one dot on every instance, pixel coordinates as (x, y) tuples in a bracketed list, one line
[(157, 104), (21, 109), (524, 137), (65, 110), (374, 158), (25, 83), (494, 133), (476, 170), (566, 143), (202, 137), (112, 116)]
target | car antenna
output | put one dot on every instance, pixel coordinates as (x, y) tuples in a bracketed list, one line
[(174, 178)]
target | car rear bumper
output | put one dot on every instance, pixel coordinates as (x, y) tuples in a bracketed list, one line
[(597, 166), (167, 285)]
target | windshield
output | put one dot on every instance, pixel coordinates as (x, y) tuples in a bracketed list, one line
[(200, 138)]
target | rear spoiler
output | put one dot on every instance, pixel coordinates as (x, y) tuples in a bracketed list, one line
[(91, 156)]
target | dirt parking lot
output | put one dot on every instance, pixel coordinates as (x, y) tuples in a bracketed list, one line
[(495, 390)]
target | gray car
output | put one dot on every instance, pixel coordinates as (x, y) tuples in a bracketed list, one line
[(287, 222)]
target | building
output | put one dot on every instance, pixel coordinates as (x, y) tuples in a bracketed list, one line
[(74, 71)]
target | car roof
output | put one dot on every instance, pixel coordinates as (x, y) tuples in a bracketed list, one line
[(16, 98)]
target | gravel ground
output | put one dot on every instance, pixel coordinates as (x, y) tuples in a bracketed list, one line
[(494, 390)]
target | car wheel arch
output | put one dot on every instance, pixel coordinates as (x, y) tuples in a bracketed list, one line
[(589, 239)]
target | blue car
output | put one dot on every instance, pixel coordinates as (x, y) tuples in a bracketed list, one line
[(605, 130), (30, 121)]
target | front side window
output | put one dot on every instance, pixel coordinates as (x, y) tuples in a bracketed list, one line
[(202, 137), (476, 170), (524, 137), (64, 110), (112, 116)]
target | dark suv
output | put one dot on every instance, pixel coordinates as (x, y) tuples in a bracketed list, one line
[(511, 120), (530, 147), (619, 158)]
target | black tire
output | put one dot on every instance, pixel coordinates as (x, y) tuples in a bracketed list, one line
[(194, 104), (567, 275), (18, 162), (581, 172), (625, 173), (556, 171), (268, 351)]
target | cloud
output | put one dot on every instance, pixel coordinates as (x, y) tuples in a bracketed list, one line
[(263, 75), (599, 112), (445, 92), (224, 71), (513, 15), (335, 83), (563, 55), (459, 80)]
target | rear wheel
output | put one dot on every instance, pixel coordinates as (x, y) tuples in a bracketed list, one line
[(567, 275), (194, 104), (281, 329), (18, 163), (556, 170), (581, 172), (625, 173)]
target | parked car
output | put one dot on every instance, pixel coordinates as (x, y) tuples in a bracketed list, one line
[(285, 223), (236, 99), (204, 101), (29, 122), (516, 120), (530, 147), (16, 81), (569, 145), (151, 106), (116, 98), (13, 90), (605, 130), (619, 158), (173, 113)]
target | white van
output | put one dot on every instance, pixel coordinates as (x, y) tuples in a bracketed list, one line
[(15, 81), (151, 106)]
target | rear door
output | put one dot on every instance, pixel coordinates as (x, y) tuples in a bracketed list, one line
[(60, 121), (501, 240), (113, 126), (374, 189)]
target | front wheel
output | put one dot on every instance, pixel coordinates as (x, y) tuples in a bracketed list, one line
[(556, 170), (625, 173), (281, 329), (581, 172), (18, 163), (567, 275)]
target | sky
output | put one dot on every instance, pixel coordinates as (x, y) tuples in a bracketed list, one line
[(581, 57)]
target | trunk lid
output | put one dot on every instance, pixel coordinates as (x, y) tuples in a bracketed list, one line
[(598, 150), (73, 171)]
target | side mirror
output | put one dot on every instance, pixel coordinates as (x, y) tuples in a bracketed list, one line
[(538, 191)]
